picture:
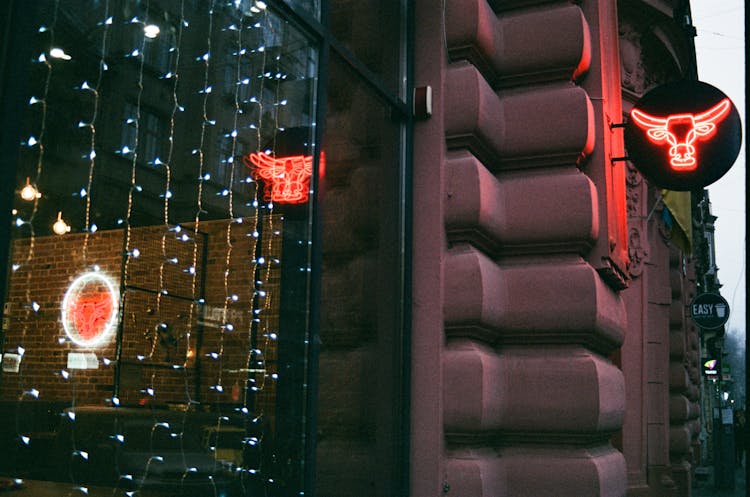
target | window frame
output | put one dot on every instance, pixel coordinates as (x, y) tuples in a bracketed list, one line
[(401, 105)]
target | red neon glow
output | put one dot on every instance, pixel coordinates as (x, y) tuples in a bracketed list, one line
[(90, 309), (287, 179), (91, 313), (681, 131)]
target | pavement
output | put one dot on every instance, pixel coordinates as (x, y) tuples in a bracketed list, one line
[(704, 486)]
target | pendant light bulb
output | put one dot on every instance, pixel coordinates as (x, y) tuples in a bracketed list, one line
[(29, 192), (60, 227)]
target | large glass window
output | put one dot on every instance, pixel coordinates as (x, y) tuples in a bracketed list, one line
[(205, 288), (155, 337)]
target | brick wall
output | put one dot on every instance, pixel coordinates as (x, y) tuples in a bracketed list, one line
[(168, 337)]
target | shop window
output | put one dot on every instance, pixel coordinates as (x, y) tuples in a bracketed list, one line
[(158, 345), (206, 287)]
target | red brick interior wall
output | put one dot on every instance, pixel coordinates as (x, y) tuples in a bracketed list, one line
[(159, 364)]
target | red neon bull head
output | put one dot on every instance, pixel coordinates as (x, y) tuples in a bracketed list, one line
[(287, 178), (681, 131)]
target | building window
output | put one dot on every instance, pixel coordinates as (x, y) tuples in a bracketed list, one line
[(151, 131), (190, 316)]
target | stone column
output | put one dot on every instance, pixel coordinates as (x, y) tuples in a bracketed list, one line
[(532, 258)]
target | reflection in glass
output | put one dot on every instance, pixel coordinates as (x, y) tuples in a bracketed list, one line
[(373, 31), (361, 370), (159, 346)]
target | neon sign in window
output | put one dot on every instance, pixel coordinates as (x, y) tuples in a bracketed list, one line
[(89, 309), (287, 179), (681, 131)]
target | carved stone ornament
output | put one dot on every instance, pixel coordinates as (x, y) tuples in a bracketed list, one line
[(645, 60), (637, 253), (631, 66), (633, 179)]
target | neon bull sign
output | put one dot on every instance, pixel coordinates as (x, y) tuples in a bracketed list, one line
[(683, 135), (681, 131)]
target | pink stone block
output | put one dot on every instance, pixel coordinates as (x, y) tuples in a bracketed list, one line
[(521, 47), (535, 213), (560, 390), (552, 301), (513, 130), (597, 472), (477, 473)]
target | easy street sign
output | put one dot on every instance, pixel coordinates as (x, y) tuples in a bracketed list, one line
[(709, 310)]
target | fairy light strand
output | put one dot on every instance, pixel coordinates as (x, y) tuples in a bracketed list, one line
[(39, 142), (134, 159), (92, 127), (202, 175), (167, 165), (255, 359), (32, 307), (174, 75), (263, 225), (183, 23), (128, 255), (230, 201)]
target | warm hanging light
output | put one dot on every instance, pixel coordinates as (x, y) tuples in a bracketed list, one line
[(151, 31), (29, 192), (60, 227)]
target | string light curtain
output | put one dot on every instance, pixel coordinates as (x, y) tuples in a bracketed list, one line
[(148, 325)]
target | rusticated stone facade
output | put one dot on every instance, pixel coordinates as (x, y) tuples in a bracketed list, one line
[(660, 356), (516, 306)]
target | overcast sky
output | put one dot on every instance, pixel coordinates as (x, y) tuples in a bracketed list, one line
[(720, 50)]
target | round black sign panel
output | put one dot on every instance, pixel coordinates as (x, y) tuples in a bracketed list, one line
[(709, 310), (683, 135)]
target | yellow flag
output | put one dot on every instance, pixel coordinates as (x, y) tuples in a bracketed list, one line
[(678, 204)]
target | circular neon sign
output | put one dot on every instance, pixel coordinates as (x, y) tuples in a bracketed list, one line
[(89, 309), (684, 135)]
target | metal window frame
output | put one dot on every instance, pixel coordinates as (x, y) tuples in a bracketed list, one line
[(401, 105)]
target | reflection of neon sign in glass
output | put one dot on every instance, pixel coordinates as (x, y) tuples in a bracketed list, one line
[(681, 131), (89, 309), (287, 179)]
